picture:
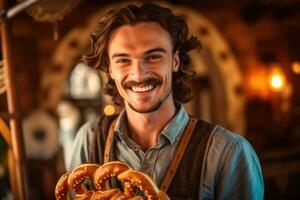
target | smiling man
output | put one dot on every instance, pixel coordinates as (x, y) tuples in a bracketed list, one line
[(144, 52)]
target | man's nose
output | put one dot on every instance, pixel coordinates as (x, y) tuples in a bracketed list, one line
[(139, 69)]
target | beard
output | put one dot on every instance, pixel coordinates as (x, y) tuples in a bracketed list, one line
[(155, 81), (155, 107)]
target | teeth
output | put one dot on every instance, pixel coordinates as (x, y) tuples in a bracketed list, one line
[(142, 89)]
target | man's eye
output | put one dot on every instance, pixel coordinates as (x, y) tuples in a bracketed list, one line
[(153, 57), (122, 60)]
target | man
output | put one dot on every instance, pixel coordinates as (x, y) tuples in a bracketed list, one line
[(144, 52)]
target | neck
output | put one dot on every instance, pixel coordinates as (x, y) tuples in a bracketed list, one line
[(145, 127)]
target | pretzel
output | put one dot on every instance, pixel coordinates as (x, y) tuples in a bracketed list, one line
[(123, 196), (106, 172), (97, 195), (99, 175), (106, 195), (62, 188), (85, 196), (79, 175), (144, 183)]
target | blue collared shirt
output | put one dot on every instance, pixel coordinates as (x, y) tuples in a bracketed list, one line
[(155, 160), (231, 169)]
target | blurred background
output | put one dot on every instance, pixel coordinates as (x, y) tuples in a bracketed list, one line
[(248, 80)]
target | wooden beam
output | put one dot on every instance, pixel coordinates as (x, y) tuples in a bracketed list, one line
[(18, 151)]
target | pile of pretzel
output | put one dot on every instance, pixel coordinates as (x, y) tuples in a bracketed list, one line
[(100, 175)]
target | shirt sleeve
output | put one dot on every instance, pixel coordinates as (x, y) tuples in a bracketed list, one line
[(79, 152), (239, 173)]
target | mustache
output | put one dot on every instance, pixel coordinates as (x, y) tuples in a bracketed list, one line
[(148, 81)]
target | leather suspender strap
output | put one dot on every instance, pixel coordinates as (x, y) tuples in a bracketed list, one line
[(109, 141), (178, 155)]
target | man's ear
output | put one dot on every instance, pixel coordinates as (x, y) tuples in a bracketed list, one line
[(176, 62)]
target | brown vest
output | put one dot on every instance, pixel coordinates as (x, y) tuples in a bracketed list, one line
[(186, 182)]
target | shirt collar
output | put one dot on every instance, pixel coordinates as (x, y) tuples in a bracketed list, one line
[(175, 127), (172, 131)]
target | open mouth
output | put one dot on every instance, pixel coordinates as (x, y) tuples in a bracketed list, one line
[(145, 88)]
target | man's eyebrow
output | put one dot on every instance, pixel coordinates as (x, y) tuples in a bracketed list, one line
[(147, 52), (119, 55), (155, 50)]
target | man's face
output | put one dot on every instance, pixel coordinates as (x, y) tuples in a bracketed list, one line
[(141, 64)]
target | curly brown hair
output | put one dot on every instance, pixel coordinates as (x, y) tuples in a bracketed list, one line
[(133, 14)]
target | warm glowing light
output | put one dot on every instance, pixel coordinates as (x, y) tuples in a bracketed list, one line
[(109, 110), (257, 83), (296, 67), (277, 80)]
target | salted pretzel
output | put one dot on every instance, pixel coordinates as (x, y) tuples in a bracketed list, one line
[(97, 195), (62, 188), (100, 175), (144, 183), (106, 172), (80, 174)]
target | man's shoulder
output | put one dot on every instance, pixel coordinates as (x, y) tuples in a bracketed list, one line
[(106, 120), (225, 135), (86, 130), (231, 159), (89, 125), (224, 141), (223, 138), (89, 128)]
